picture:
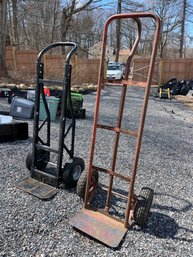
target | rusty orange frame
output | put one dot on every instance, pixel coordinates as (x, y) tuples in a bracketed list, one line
[(118, 129), (100, 224)]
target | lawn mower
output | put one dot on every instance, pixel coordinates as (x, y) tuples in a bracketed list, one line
[(77, 103), (96, 222), (44, 182)]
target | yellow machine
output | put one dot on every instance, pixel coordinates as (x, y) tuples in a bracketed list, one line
[(164, 93)]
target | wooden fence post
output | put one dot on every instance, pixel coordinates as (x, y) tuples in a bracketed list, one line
[(160, 71), (14, 58), (45, 65), (76, 68)]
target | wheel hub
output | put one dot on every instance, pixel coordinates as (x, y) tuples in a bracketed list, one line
[(76, 172)]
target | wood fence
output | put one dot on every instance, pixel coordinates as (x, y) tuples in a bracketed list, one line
[(24, 62), (86, 70), (164, 69)]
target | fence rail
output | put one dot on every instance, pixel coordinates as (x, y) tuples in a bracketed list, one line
[(86, 70)]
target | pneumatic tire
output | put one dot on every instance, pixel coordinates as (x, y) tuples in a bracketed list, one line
[(81, 185), (72, 171), (143, 205)]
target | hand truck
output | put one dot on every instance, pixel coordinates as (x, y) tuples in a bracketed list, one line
[(43, 183), (100, 224)]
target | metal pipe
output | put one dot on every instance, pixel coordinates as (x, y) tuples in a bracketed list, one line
[(142, 120)]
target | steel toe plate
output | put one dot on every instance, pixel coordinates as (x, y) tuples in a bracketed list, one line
[(36, 188), (100, 226)]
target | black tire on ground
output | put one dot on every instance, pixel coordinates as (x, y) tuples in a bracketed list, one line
[(81, 185), (83, 113), (72, 171), (143, 205), (28, 161), (42, 159)]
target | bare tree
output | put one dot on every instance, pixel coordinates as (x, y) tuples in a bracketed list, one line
[(39, 22), (69, 10), (15, 22), (186, 18), (169, 14), (12, 29), (56, 8), (3, 10), (36, 23), (182, 30), (83, 30), (125, 30)]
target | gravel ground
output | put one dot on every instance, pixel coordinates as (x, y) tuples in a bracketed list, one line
[(31, 227)]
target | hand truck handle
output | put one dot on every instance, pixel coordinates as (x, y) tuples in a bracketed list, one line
[(53, 45), (135, 45), (136, 15)]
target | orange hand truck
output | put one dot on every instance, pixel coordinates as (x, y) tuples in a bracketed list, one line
[(100, 224)]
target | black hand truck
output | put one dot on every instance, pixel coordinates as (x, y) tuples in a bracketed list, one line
[(43, 183)]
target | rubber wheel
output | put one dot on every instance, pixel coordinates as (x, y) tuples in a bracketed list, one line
[(42, 159), (143, 205), (83, 113), (72, 171), (81, 185)]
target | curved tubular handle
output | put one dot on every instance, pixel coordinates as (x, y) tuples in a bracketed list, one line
[(136, 17), (134, 47), (68, 57)]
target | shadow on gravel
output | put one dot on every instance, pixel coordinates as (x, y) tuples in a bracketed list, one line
[(181, 204), (164, 226), (159, 225)]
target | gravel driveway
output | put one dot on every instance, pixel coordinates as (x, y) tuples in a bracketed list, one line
[(31, 227)]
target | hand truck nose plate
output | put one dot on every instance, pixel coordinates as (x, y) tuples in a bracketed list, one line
[(37, 188), (100, 226)]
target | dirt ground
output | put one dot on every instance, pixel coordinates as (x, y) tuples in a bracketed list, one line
[(186, 100)]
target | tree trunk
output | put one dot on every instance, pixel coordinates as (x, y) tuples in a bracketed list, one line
[(65, 24), (54, 21), (3, 9), (15, 24), (118, 33), (67, 15), (184, 4)]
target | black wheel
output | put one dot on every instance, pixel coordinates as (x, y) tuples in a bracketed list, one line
[(28, 161), (82, 113), (43, 158), (81, 185), (143, 205), (72, 171)]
